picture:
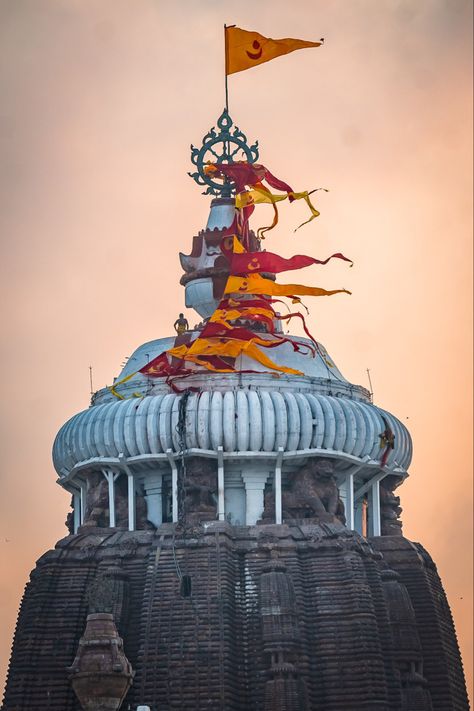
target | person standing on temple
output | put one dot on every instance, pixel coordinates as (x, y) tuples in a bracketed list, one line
[(181, 325)]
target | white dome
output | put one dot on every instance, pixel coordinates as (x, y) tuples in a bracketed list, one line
[(242, 420), (320, 373)]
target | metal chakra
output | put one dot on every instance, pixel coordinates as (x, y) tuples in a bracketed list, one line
[(228, 145)]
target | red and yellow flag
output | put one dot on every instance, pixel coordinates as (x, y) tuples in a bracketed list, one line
[(242, 262), (256, 284), (244, 49), (203, 347)]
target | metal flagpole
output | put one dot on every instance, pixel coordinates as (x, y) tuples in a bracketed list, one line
[(225, 70)]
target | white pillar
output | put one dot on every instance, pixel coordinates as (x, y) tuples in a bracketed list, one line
[(82, 485), (220, 485), (153, 486), (174, 485), (374, 510), (77, 510), (131, 502), (277, 486), (254, 497), (350, 518)]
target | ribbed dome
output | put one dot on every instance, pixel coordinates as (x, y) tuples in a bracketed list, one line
[(237, 420)]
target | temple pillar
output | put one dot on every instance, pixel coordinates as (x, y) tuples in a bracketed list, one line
[(277, 487), (359, 512), (349, 501), (153, 486), (111, 477), (220, 485), (131, 502), (83, 499), (77, 510), (254, 500), (374, 509)]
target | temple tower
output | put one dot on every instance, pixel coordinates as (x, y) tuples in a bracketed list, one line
[(235, 540)]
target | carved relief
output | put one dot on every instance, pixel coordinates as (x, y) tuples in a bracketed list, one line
[(313, 493), (97, 501), (284, 690), (69, 522), (390, 509), (200, 490)]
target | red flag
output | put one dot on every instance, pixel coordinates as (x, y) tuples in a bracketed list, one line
[(158, 367), (249, 262), (243, 173)]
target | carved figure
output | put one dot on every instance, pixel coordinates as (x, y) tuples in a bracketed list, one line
[(313, 492), (390, 508), (97, 501), (200, 484), (121, 501), (69, 522)]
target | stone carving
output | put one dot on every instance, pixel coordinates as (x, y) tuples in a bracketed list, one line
[(101, 674), (69, 522), (97, 501), (97, 504), (406, 642), (284, 690), (390, 509), (200, 491), (313, 493), (121, 501), (100, 594)]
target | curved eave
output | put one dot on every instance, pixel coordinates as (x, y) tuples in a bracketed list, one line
[(364, 468)]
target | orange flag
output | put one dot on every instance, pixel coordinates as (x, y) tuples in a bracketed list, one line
[(202, 347), (255, 284), (244, 50)]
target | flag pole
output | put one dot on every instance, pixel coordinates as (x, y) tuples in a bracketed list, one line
[(225, 70)]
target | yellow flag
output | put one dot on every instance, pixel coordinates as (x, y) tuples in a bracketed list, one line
[(257, 195), (255, 284), (244, 50), (230, 348)]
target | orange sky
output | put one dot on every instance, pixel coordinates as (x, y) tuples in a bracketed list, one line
[(100, 100)]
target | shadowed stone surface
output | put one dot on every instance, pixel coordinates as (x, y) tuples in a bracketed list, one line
[(280, 618)]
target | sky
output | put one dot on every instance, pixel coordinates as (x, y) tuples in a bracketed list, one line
[(99, 103)]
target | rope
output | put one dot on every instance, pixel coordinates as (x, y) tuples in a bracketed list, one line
[(182, 523)]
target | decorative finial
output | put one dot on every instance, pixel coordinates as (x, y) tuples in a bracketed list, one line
[(233, 147)]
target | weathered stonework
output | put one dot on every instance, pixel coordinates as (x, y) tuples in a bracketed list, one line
[(280, 618)]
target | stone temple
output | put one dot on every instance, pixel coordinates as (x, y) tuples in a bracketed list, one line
[(234, 542)]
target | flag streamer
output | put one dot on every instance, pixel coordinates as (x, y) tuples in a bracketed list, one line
[(245, 49), (256, 284)]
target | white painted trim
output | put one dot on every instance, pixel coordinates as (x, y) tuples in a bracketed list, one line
[(365, 464), (368, 484)]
